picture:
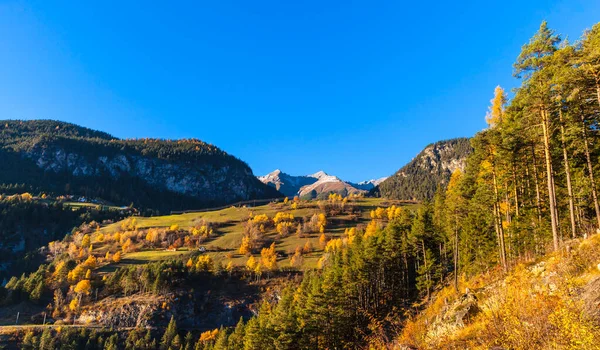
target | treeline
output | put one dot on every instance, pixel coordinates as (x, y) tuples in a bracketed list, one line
[(21, 135), (136, 339)]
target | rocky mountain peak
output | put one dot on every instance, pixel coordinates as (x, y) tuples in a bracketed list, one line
[(432, 167)]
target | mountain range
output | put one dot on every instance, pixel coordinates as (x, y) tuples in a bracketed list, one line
[(417, 180), (313, 185), (62, 158)]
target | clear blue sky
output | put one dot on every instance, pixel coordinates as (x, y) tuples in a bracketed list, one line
[(354, 88)]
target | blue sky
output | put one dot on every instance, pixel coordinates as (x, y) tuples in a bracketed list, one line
[(354, 88)]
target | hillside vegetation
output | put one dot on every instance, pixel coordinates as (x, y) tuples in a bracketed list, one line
[(62, 158), (548, 303), (28, 223), (234, 253)]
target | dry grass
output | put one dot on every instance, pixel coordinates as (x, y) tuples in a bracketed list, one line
[(549, 304)]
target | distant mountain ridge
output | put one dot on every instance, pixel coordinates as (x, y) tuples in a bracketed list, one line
[(420, 178), (313, 185), (63, 158), (369, 184), (289, 185)]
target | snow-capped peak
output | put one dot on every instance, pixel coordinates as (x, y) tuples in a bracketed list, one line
[(375, 182), (319, 174), (270, 176)]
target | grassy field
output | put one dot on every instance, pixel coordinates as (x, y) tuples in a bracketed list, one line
[(223, 245)]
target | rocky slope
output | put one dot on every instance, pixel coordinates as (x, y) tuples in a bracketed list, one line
[(419, 179), (326, 184), (551, 303), (64, 158)]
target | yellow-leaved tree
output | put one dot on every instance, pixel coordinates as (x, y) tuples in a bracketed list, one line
[(251, 263), (322, 241), (308, 247), (205, 263), (86, 241), (74, 304), (371, 229), (209, 335), (83, 287), (268, 257), (297, 259), (322, 222), (127, 246), (245, 247)]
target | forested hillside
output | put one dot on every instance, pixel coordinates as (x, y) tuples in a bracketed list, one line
[(61, 158), (28, 223), (550, 303), (530, 187), (419, 179)]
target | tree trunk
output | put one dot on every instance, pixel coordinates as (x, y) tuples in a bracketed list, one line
[(590, 169), (443, 262), (497, 229), (550, 178), (456, 253), (425, 265), (514, 174), (556, 214), (527, 189), (508, 220), (498, 216), (568, 176), (507, 200), (537, 187)]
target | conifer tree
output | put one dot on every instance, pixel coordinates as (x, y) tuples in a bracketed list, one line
[(169, 335), (535, 56)]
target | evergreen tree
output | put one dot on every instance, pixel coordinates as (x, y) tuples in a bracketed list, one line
[(169, 336)]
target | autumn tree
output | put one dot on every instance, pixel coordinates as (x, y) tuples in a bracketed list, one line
[(83, 287), (268, 257)]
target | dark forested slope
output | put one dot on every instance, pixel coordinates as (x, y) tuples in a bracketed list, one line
[(62, 158)]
